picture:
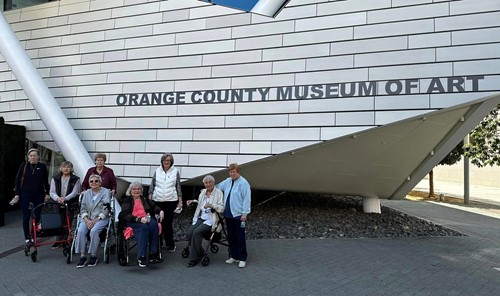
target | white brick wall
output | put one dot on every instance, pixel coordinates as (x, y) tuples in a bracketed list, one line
[(88, 52)]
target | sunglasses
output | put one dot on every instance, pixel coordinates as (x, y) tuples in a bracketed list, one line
[(93, 181)]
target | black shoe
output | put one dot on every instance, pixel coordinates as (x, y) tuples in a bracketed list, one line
[(81, 262), (142, 262), (155, 258), (56, 246), (93, 261), (171, 249), (192, 263)]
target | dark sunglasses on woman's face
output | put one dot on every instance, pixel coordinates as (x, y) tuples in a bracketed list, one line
[(93, 181)]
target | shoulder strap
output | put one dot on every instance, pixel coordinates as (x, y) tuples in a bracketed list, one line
[(24, 173)]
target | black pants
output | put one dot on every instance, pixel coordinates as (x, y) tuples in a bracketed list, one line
[(25, 201), (167, 236), (236, 239), (72, 209), (195, 235)]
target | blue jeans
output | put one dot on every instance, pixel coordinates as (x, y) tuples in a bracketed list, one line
[(145, 234)]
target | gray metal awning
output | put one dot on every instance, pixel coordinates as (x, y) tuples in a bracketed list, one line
[(384, 162)]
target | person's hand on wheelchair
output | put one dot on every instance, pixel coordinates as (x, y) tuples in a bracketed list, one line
[(190, 202)]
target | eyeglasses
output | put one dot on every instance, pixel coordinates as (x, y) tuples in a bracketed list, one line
[(93, 181), (137, 188)]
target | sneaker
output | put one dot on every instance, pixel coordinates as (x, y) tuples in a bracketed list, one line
[(93, 261), (231, 260), (155, 258), (242, 264), (81, 262), (171, 249), (56, 246), (142, 262)]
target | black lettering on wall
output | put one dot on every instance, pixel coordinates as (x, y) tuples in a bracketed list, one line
[(434, 85), (284, 93)]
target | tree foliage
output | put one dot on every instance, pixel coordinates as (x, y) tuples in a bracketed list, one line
[(454, 156), (484, 141)]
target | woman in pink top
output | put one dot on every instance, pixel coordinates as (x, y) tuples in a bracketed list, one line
[(139, 213)]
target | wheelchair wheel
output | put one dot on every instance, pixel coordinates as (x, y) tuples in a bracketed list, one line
[(26, 250), (122, 260), (33, 256), (185, 252), (68, 259), (205, 261), (214, 248), (65, 251)]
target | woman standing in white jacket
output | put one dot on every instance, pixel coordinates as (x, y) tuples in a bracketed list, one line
[(165, 191)]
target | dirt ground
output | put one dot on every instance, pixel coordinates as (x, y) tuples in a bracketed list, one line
[(480, 206), (420, 195)]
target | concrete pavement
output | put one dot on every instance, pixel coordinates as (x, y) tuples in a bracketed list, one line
[(405, 266)]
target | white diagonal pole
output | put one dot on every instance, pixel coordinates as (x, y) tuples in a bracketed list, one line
[(42, 100)]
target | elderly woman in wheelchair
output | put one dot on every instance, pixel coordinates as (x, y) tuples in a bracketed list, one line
[(94, 210), (139, 213)]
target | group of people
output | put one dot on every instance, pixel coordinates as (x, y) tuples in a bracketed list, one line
[(230, 197)]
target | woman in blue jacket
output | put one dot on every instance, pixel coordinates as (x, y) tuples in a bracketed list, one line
[(237, 198)]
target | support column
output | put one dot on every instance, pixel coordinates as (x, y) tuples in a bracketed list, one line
[(371, 204), (42, 100), (466, 175)]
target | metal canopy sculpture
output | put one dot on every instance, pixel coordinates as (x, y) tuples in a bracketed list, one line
[(382, 162)]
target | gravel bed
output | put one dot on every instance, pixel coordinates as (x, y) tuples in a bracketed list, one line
[(301, 216)]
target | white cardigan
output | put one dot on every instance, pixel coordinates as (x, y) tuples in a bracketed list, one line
[(218, 205)]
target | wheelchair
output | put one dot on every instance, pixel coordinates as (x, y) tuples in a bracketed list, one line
[(126, 242), (107, 237)]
